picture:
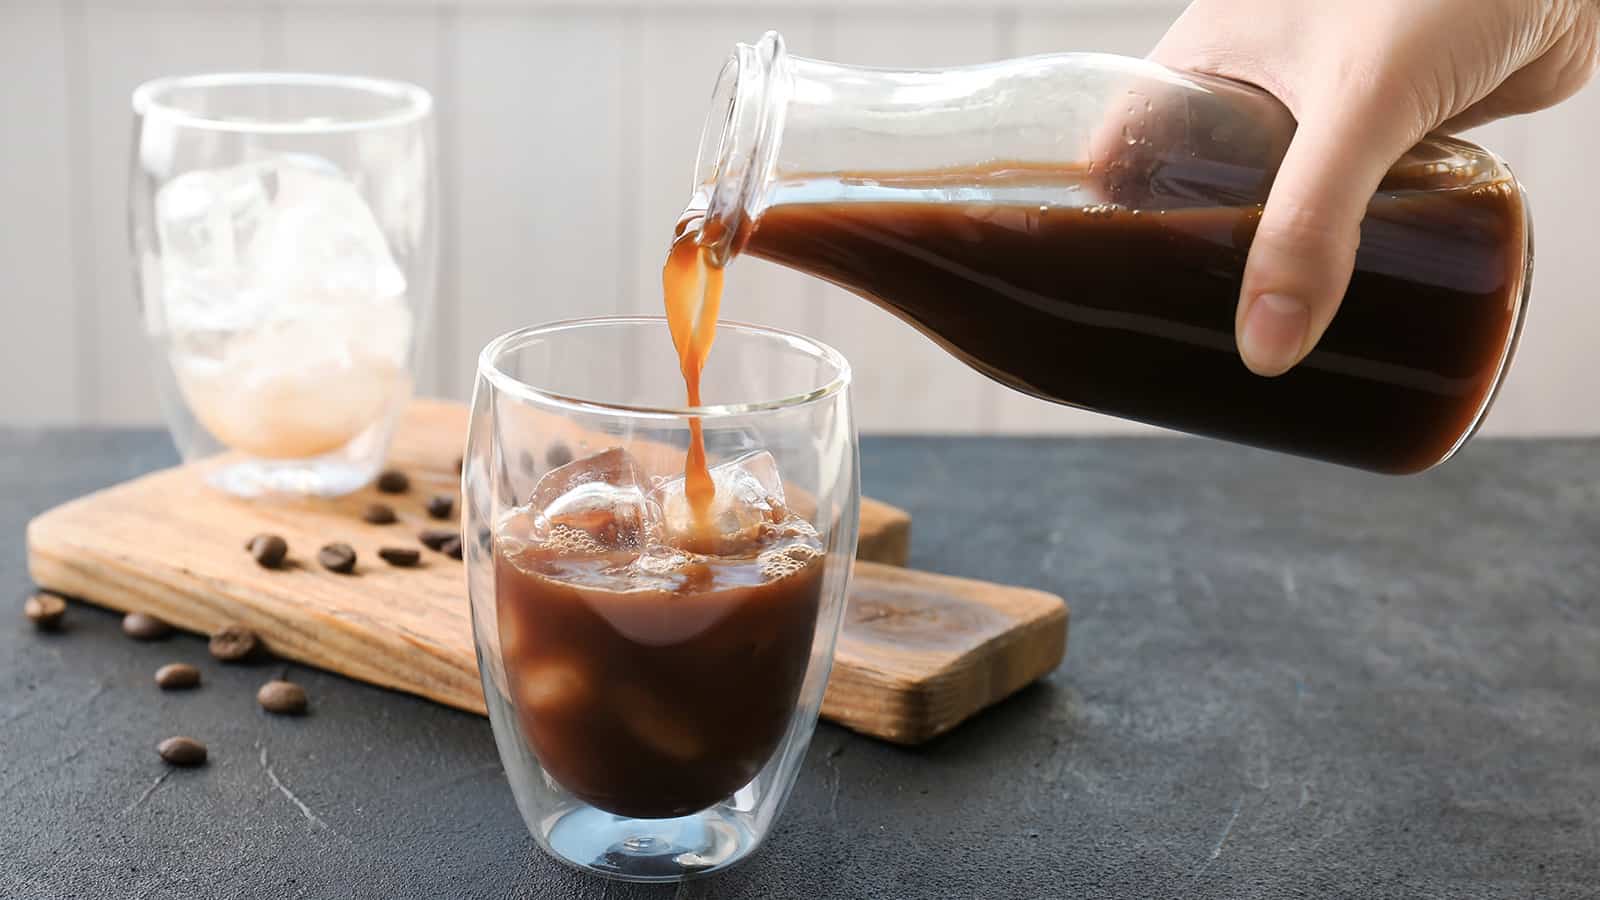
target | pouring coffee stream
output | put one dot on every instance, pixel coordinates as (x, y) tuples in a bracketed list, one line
[(692, 288)]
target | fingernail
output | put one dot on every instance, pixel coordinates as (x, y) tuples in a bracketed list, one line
[(1273, 333)]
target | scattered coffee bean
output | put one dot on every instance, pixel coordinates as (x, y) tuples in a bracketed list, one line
[(182, 751), (434, 538), (282, 697), (526, 462), (440, 506), (142, 627), (451, 548), (380, 514), (177, 677), (394, 481), (234, 643), (269, 550), (404, 557), (45, 611), (340, 558), (559, 454)]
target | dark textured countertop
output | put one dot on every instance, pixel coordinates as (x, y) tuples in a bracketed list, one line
[(1284, 680)]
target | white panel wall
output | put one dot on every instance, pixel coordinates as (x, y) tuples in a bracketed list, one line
[(567, 135), (124, 44), (40, 289)]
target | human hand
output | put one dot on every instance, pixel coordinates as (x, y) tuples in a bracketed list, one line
[(1366, 80)]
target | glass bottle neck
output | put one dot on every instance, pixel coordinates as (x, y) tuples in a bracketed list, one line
[(739, 144)]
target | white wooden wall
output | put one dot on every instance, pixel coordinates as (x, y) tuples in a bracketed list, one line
[(568, 131)]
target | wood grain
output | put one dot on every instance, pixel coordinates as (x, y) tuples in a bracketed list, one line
[(919, 652)]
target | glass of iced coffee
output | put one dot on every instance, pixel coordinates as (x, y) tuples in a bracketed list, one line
[(654, 655), (284, 238)]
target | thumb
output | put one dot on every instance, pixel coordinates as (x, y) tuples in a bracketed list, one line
[(1304, 249)]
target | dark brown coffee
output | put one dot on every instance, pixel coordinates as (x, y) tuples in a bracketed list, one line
[(652, 682), (1127, 306)]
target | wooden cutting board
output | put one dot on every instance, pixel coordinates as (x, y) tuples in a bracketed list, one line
[(919, 652)]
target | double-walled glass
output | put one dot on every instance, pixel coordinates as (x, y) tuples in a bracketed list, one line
[(284, 235), (652, 705)]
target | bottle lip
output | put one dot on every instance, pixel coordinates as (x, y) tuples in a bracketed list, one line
[(739, 142)]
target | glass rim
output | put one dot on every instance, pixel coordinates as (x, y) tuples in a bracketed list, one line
[(414, 102), (489, 369)]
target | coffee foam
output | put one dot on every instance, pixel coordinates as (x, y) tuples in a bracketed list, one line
[(575, 541), (773, 550), (781, 562)]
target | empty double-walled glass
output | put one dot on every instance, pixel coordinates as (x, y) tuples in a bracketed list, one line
[(284, 236), (653, 676)]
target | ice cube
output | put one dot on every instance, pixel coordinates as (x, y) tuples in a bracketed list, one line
[(749, 495), (322, 240), (603, 496), (284, 310), (205, 222), (656, 724), (269, 239), (550, 685)]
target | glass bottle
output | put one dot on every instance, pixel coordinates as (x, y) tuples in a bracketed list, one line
[(1076, 225)]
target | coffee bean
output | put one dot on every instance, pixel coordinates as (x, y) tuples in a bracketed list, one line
[(182, 751), (451, 548), (142, 627), (380, 514), (434, 538), (45, 611), (559, 454), (269, 550), (234, 643), (526, 462), (440, 506), (394, 481), (282, 697), (177, 677), (340, 558), (404, 557)]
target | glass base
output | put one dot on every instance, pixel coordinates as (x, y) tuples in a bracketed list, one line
[(648, 849), (324, 477)]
